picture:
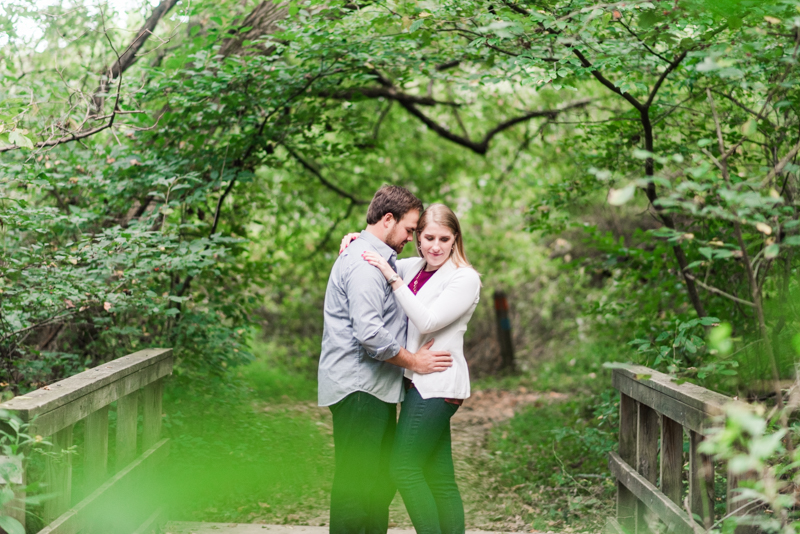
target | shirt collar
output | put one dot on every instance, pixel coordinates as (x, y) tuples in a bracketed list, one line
[(387, 252)]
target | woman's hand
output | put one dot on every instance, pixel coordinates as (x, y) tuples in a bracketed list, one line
[(373, 258), (346, 240)]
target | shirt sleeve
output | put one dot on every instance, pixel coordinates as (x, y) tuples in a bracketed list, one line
[(365, 287), (455, 300)]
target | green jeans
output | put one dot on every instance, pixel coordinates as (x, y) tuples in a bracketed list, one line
[(363, 434), (422, 465)]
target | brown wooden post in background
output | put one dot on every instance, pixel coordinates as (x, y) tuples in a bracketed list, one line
[(504, 330)]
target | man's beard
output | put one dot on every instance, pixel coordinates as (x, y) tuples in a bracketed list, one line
[(396, 245)]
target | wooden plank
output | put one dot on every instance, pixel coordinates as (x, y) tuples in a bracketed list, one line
[(671, 459), (74, 387), (127, 419), (646, 456), (626, 501), (628, 413), (95, 463), (705, 400), (50, 422), (669, 512), (685, 415), (153, 394), (153, 523), (78, 517), (58, 475), (701, 481), (647, 443)]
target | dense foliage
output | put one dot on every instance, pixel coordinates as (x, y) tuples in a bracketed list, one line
[(627, 170)]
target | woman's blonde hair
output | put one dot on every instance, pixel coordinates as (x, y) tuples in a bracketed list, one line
[(441, 214)]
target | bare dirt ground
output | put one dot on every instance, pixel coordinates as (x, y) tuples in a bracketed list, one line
[(487, 504)]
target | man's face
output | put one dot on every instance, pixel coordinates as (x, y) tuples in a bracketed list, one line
[(402, 231)]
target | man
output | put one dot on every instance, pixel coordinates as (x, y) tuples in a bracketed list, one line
[(361, 365)]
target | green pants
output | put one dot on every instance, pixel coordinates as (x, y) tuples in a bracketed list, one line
[(363, 435)]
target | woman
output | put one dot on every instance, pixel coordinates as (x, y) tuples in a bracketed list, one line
[(439, 292)]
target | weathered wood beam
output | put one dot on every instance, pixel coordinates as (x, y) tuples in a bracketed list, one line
[(117, 487), (646, 492)]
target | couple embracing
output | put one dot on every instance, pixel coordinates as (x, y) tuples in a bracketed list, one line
[(394, 332)]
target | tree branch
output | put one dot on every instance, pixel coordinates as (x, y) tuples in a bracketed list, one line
[(336, 189), (781, 164), (386, 92), (128, 57), (717, 291), (483, 146), (663, 77), (605, 81), (643, 43), (516, 8)]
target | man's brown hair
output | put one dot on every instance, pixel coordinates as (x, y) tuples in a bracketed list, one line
[(392, 199)]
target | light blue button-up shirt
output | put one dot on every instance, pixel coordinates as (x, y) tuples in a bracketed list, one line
[(364, 326)]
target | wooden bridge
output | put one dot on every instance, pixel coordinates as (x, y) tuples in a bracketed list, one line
[(656, 417)]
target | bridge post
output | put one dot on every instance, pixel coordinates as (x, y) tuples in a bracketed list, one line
[(671, 459), (701, 481), (646, 456), (626, 500), (127, 418), (58, 475)]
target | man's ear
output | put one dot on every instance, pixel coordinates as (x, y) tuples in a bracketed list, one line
[(387, 220)]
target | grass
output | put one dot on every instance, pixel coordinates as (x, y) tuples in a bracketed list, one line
[(250, 446), (553, 455)]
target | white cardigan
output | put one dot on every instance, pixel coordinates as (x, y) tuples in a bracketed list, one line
[(440, 310)]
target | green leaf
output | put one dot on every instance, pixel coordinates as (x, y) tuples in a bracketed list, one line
[(11, 525), (772, 251), (648, 19), (15, 137), (708, 321), (730, 72), (704, 142), (416, 25)]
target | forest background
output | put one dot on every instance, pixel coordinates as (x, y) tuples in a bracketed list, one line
[(178, 174)]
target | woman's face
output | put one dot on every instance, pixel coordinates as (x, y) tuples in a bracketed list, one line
[(436, 242)]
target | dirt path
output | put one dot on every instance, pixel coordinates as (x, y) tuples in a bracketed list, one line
[(487, 505)]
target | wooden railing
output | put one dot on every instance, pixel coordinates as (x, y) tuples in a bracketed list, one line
[(53, 412), (655, 410)]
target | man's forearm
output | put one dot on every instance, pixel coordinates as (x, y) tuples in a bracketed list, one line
[(403, 359)]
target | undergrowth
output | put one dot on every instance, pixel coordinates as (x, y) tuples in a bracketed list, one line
[(554, 454), (249, 446)]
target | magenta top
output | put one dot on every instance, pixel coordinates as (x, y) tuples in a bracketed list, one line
[(419, 280)]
